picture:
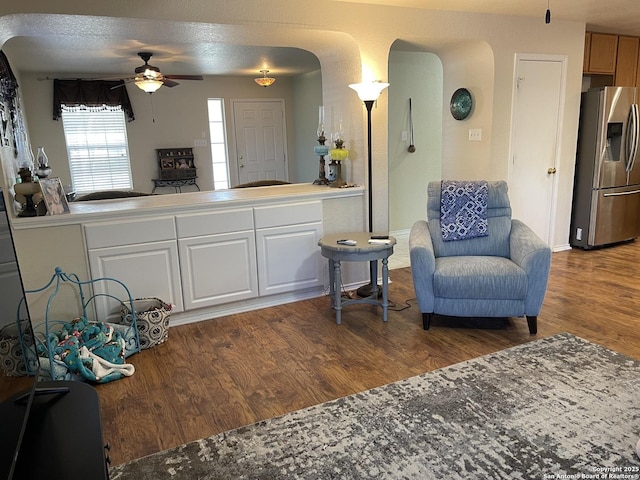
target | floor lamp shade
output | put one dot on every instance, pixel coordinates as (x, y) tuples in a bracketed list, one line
[(369, 90)]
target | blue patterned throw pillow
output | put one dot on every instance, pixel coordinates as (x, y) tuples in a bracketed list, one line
[(463, 209)]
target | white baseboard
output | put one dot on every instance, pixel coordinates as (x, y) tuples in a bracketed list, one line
[(400, 233)]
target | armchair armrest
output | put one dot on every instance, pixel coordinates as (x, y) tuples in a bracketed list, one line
[(534, 256), (423, 264)]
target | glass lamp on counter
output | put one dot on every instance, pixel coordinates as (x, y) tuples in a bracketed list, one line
[(337, 155), (321, 149), (43, 170), (26, 190)]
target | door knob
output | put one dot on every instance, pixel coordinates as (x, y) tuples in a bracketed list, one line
[(551, 170)]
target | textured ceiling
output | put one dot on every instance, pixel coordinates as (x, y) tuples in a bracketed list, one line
[(614, 16), (88, 54)]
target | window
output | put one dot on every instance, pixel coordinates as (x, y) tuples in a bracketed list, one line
[(97, 148), (218, 143)]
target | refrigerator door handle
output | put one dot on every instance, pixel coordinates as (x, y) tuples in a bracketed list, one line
[(620, 194), (632, 137)]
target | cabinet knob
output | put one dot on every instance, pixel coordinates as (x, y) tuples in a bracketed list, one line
[(242, 165)]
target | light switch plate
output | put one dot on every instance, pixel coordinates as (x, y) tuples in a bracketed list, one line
[(200, 142), (475, 134)]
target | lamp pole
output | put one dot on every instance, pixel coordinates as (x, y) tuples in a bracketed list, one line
[(369, 105), (369, 93)]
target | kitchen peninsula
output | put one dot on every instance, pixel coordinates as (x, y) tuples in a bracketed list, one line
[(207, 253)]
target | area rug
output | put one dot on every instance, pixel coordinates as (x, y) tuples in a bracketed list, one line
[(559, 407)]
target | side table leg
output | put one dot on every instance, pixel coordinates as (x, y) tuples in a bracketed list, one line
[(338, 292), (332, 284), (373, 267), (385, 289)]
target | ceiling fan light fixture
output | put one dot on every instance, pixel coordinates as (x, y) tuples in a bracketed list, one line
[(151, 72), (148, 85), (265, 81)]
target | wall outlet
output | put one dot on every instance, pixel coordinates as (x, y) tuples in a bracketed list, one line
[(578, 234), (404, 136), (475, 134), (200, 142)]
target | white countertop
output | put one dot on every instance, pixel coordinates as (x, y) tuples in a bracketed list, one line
[(188, 202)]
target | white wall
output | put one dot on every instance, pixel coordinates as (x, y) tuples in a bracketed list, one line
[(468, 65), (307, 97), (416, 76)]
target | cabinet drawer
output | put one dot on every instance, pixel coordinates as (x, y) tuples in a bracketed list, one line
[(114, 234), (213, 223), (288, 214)]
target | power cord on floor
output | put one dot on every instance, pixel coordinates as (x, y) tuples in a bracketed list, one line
[(404, 305)]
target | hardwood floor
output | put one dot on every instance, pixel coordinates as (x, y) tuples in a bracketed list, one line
[(223, 373)]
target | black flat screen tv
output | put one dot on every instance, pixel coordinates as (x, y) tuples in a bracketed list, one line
[(14, 423)]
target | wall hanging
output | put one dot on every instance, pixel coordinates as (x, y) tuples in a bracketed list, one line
[(412, 147), (461, 104)]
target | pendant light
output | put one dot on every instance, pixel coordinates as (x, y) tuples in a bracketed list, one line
[(265, 81)]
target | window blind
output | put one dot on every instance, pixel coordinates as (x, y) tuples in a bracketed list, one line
[(97, 148)]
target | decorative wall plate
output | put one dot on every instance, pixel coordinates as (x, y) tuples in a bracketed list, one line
[(461, 104)]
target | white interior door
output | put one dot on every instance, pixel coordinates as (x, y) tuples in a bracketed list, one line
[(538, 95), (260, 140)]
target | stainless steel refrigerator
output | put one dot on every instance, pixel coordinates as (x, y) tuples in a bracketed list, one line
[(606, 197)]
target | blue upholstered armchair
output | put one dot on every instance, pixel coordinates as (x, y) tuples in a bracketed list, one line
[(502, 274)]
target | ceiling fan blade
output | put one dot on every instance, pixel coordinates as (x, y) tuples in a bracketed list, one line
[(124, 82), (185, 77), (169, 83)]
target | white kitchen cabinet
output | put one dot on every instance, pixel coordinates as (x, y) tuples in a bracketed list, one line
[(287, 247), (142, 254), (217, 257)]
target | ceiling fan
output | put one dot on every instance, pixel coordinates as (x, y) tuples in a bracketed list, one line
[(149, 78)]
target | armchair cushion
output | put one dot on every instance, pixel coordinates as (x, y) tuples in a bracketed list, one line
[(479, 277)]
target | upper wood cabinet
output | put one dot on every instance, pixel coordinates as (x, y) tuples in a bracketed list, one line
[(627, 61), (587, 51), (602, 53)]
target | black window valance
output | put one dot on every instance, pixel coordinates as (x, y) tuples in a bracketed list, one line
[(90, 93)]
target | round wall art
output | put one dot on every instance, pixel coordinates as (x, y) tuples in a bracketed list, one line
[(461, 104)]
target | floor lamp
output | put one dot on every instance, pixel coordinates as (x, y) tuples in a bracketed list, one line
[(369, 93)]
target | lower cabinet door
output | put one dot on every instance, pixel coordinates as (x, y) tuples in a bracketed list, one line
[(218, 269), (289, 258), (147, 270)]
